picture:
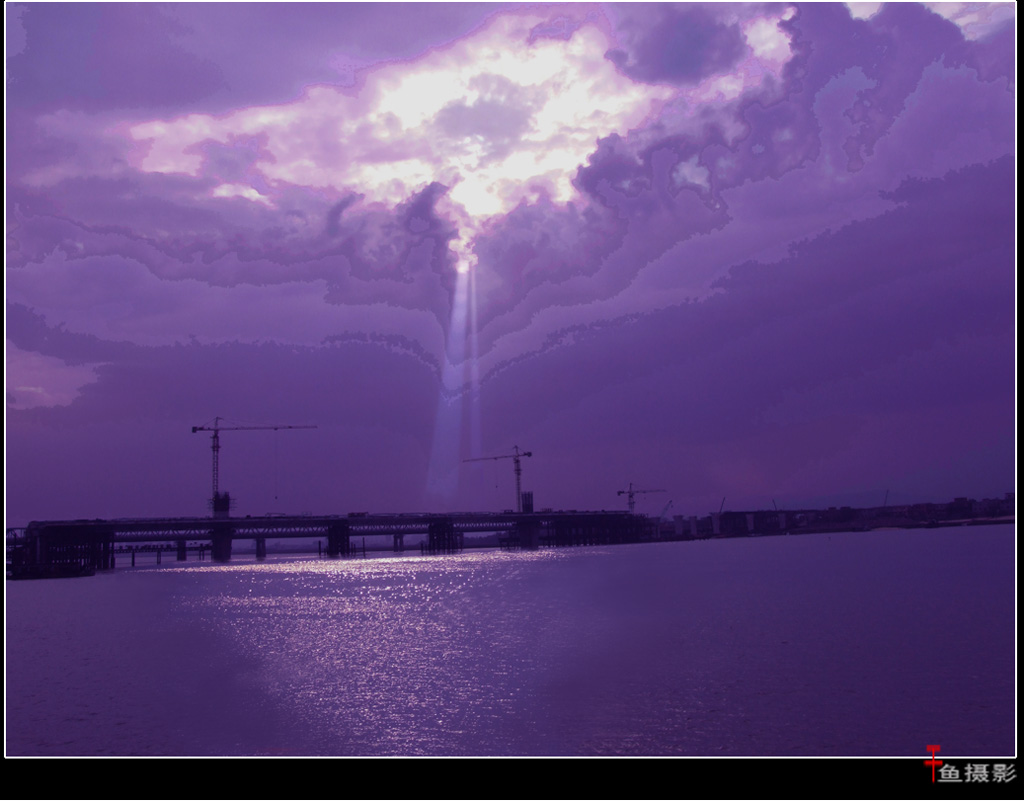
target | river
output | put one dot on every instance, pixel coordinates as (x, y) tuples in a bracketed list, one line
[(853, 644)]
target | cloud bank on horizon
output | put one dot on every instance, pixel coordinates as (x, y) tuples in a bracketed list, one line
[(759, 251)]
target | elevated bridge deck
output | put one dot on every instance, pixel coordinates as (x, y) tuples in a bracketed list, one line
[(79, 547)]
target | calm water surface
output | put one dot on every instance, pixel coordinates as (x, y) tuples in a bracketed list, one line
[(842, 645)]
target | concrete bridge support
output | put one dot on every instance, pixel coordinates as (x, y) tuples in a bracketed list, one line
[(220, 550), (442, 537), (338, 540), (261, 548), (104, 549), (528, 532), (182, 550)]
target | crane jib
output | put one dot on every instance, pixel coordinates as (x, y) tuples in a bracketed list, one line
[(216, 428), (515, 457)]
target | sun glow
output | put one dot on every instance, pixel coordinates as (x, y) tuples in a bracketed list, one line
[(490, 116)]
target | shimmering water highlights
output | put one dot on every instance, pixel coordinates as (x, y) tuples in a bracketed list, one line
[(843, 644)]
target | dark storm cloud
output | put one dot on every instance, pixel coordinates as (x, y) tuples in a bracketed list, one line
[(537, 243), (797, 362), (156, 221), (29, 331), (67, 60), (210, 56), (235, 160), (401, 245), (334, 214), (675, 43), (558, 27), (541, 254), (896, 70), (892, 50)]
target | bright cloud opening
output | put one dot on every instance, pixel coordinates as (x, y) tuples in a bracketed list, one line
[(491, 116)]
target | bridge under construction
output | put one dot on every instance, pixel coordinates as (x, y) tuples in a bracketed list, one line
[(82, 547)]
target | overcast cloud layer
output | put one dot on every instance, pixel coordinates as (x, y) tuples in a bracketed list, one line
[(760, 252)]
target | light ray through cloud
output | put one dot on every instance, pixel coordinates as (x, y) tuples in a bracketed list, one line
[(447, 446)]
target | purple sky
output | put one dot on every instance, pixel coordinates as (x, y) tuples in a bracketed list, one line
[(763, 253)]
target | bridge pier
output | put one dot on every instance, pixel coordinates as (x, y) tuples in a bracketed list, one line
[(182, 550), (528, 533), (261, 548), (220, 550), (399, 540), (338, 540), (442, 537), (106, 551)]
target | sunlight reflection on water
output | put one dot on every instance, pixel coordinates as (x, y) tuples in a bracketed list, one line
[(719, 647)]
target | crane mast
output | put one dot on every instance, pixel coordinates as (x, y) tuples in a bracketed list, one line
[(216, 428), (515, 456), (632, 492)]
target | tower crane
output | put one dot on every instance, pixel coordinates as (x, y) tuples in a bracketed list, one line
[(631, 492), (515, 456), (216, 428)]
